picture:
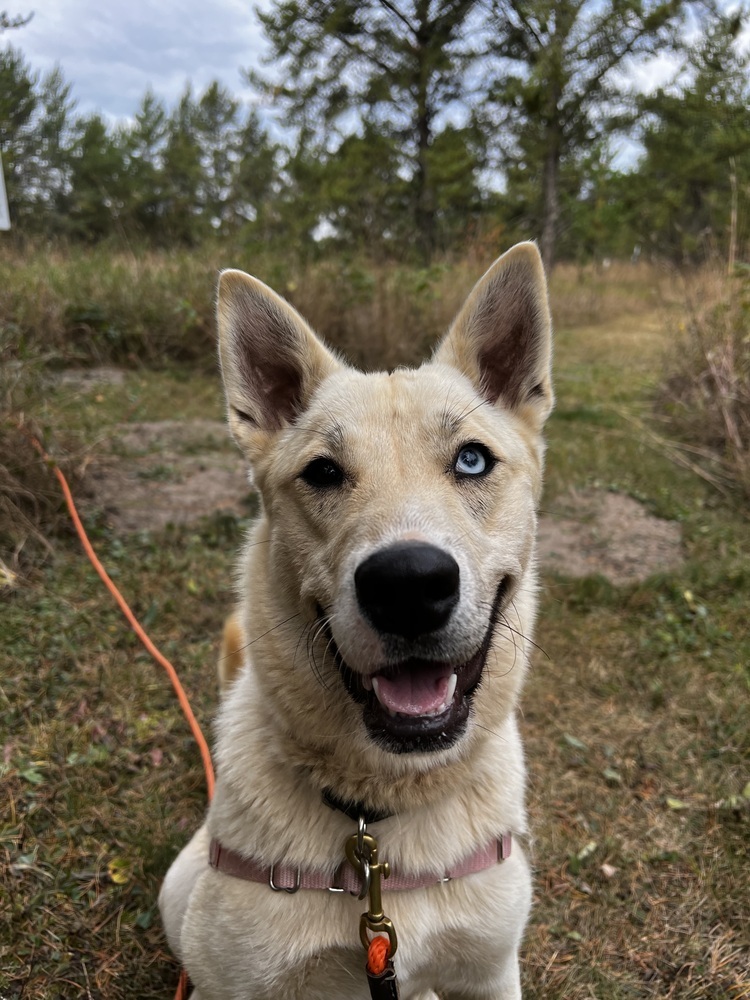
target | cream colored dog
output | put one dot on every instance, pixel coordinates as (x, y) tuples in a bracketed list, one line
[(388, 597)]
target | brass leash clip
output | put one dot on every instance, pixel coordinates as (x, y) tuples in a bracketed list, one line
[(362, 853)]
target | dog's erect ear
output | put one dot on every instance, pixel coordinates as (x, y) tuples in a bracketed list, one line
[(271, 361), (502, 337)]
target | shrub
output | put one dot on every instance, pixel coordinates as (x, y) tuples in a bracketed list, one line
[(706, 388)]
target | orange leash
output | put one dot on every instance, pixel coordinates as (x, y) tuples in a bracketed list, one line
[(377, 955), (139, 631), (132, 620)]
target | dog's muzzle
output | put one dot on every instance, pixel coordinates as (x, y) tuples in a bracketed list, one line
[(418, 701)]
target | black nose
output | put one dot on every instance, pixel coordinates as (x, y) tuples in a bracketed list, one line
[(408, 589)]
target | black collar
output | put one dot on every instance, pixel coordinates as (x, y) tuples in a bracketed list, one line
[(353, 809)]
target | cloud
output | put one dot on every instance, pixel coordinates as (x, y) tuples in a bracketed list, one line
[(111, 53)]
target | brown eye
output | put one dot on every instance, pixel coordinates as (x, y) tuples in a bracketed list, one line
[(322, 473)]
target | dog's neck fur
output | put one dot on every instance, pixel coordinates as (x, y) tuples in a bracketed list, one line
[(445, 809)]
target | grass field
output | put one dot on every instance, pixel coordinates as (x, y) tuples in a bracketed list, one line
[(636, 716)]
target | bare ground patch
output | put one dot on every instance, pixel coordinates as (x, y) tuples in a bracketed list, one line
[(610, 534), (177, 471), (171, 471)]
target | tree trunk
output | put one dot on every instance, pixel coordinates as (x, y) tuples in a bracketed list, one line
[(425, 207), (424, 195), (551, 198)]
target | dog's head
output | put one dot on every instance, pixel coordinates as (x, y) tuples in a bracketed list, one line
[(394, 556)]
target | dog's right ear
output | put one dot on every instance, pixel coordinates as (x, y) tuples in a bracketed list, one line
[(271, 361)]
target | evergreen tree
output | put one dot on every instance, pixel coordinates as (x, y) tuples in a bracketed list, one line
[(54, 137), (216, 131), (183, 175), (361, 194), (697, 148), (399, 64), (457, 158), (97, 181), (559, 93), (143, 147), (255, 184)]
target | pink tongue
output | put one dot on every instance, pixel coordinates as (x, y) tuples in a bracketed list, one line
[(416, 691)]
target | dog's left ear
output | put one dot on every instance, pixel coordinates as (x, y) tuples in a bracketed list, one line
[(502, 337)]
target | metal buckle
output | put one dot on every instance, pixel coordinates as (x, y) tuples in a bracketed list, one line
[(336, 888), (504, 845), (362, 853), (282, 888)]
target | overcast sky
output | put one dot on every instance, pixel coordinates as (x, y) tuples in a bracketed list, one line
[(111, 52)]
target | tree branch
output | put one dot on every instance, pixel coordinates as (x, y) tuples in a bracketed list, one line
[(397, 13)]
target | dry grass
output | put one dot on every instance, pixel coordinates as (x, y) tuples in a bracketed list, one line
[(30, 504), (706, 388), (594, 294), (91, 306), (635, 721)]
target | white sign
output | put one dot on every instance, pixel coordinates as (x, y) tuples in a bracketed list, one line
[(4, 213)]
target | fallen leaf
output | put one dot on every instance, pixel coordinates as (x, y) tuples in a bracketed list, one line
[(587, 850), (574, 742), (118, 870)]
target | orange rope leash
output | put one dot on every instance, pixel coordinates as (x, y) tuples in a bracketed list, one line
[(377, 955), (139, 631), (132, 620)]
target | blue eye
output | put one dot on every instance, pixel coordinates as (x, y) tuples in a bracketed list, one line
[(473, 460)]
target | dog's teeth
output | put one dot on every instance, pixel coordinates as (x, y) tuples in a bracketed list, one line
[(375, 685), (367, 682), (451, 689)]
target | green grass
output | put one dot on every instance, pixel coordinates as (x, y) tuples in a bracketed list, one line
[(635, 720)]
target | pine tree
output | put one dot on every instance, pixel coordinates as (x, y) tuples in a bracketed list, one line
[(97, 181), (216, 130), (558, 93), (183, 175), (697, 148), (397, 64), (54, 138), (255, 184), (143, 146)]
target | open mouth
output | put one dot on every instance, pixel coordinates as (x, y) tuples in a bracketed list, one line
[(419, 705)]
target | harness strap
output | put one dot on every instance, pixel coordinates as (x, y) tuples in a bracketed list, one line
[(288, 878)]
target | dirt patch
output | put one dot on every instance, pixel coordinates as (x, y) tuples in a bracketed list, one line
[(173, 471), (609, 534), (86, 379), (176, 471)]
